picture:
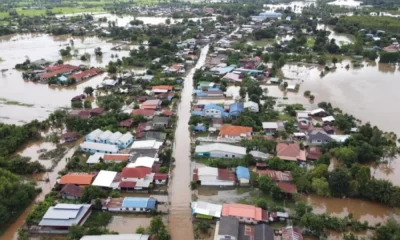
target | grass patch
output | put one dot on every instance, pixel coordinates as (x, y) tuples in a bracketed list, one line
[(263, 42), (16, 103), (285, 117), (310, 42), (98, 219), (202, 134)]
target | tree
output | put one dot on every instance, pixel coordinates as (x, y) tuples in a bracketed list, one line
[(92, 192), (168, 21), (339, 182), (98, 52), (76, 104), (203, 226), (265, 183), (87, 104), (88, 91), (242, 92), (334, 60), (156, 224), (163, 169), (276, 193), (320, 186), (140, 230), (285, 85), (346, 154), (302, 208), (391, 230), (23, 234), (75, 232)]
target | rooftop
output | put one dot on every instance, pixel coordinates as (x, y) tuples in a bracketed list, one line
[(242, 210), (232, 130), (64, 215), (104, 178), (77, 178), (117, 237), (220, 147), (242, 172)]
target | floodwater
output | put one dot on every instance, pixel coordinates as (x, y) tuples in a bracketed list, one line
[(340, 38), (128, 223), (33, 151), (46, 186), (17, 48), (295, 6), (180, 224), (362, 210)]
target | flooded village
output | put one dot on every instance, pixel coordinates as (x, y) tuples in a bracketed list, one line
[(201, 121)]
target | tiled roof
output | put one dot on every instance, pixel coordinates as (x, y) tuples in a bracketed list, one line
[(69, 135), (77, 178), (143, 112), (287, 187), (126, 123), (160, 176), (276, 175), (116, 157), (127, 184), (290, 151), (313, 152), (226, 175), (232, 130), (162, 87), (138, 172), (242, 210)]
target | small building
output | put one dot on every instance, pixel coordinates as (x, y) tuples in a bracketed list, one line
[(288, 188), (235, 132), (92, 137), (81, 179), (126, 123), (243, 175), (125, 140), (161, 89), (116, 158), (160, 178), (278, 176), (206, 210), (69, 137), (313, 153), (290, 152), (244, 213), (209, 176), (318, 137), (94, 147), (164, 122), (220, 150), (235, 109), (328, 120), (251, 106), (319, 112), (228, 228), (105, 179), (70, 191), (130, 204), (63, 216), (152, 104), (146, 113), (270, 127)]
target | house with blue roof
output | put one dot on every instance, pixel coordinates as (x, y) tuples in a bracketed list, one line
[(243, 175), (235, 109), (223, 70), (214, 111), (130, 204)]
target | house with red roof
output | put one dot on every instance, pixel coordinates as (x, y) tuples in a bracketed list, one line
[(85, 74), (160, 178), (290, 152), (126, 123), (161, 89), (134, 174), (146, 113), (245, 213), (235, 132)]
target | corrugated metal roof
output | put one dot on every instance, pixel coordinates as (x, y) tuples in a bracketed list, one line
[(134, 202), (95, 133), (242, 172), (100, 147), (64, 215), (104, 178), (220, 147)]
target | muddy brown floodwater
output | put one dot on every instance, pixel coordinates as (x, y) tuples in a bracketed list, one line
[(45, 99), (180, 223)]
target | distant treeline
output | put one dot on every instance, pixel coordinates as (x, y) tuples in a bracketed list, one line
[(349, 24)]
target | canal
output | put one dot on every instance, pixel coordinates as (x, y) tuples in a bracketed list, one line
[(180, 223)]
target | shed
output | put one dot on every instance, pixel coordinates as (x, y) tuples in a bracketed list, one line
[(243, 175)]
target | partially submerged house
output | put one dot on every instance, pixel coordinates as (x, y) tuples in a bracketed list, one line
[(209, 176), (206, 210)]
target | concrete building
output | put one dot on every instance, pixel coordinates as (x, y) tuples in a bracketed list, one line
[(93, 147), (220, 150), (206, 210), (209, 176), (63, 216)]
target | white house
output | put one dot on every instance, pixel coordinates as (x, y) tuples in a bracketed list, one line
[(106, 179), (142, 162), (94, 147), (252, 106), (209, 176), (220, 150), (206, 209)]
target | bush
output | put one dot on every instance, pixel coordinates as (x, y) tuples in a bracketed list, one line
[(307, 93)]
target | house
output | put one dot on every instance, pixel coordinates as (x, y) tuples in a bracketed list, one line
[(146, 113), (220, 150), (232, 77), (243, 175), (303, 115), (251, 106), (235, 132), (70, 191), (206, 210), (103, 137), (217, 123), (319, 112), (152, 104), (39, 63), (161, 89), (244, 213), (126, 123), (160, 178), (106, 179), (81, 179), (142, 162), (63, 216), (259, 156), (152, 135), (278, 176), (130, 204), (78, 98), (116, 158), (92, 137), (291, 233), (125, 140), (113, 138), (318, 137), (146, 144), (270, 127), (94, 147), (228, 228), (328, 120), (69, 137), (290, 152), (214, 111), (235, 109), (313, 152), (95, 158), (209, 176), (128, 236), (97, 112), (328, 129), (164, 122)]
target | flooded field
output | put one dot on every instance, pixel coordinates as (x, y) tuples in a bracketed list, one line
[(45, 99), (341, 39), (362, 210)]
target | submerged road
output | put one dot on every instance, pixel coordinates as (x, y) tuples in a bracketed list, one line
[(180, 224)]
